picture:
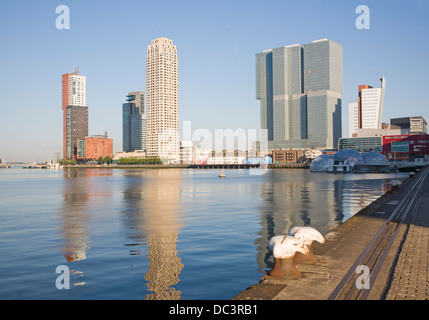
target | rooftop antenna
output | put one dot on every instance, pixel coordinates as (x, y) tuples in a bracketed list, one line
[(76, 69)]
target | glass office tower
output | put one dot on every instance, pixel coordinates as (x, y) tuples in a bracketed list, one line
[(134, 123), (300, 88)]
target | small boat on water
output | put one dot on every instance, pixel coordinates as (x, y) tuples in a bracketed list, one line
[(222, 175)]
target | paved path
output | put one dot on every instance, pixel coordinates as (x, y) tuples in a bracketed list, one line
[(410, 279)]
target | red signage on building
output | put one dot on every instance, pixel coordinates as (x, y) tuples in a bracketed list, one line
[(403, 147)]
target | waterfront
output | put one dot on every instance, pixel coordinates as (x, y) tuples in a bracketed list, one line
[(160, 234)]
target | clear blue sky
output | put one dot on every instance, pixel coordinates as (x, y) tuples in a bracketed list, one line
[(216, 43)]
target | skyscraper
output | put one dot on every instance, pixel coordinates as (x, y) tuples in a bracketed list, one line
[(76, 128), (162, 100), (75, 112), (134, 122), (300, 88), (367, 113)]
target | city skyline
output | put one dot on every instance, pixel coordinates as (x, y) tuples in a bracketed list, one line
[(217, 44)]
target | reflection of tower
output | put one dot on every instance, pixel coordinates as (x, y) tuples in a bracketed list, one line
[(78, 192), (340, 200), (154, 197), (75, 217), (164, 267)]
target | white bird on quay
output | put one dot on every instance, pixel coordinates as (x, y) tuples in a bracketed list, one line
[(307, 235), (284, 249)]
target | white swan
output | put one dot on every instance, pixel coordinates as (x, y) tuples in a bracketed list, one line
[(307, 235)]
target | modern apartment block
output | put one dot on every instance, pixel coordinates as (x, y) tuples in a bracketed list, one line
[(300, 89), (75, 112), (367, 113), (134, 122), (162, 100)]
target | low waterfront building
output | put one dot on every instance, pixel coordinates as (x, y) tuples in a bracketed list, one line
[(192, 155), (288, 155), (362, 144), (312, 153), (365, 140), (406, 147), (139, 154), (259, 160), (226, 160), (201, 155), (187, 152), (91, 148), (349, 160)]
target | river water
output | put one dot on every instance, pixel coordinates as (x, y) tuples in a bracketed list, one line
[(160, 233)]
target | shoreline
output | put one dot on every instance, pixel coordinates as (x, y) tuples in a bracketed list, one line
[(342, 247), (186, 166)]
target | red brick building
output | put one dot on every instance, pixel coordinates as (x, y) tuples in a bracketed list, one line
[(94, 147)]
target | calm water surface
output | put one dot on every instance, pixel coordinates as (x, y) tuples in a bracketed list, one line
[(160, 234)]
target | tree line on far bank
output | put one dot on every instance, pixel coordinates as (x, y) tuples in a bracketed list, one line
[(135, 160), (109, 160)]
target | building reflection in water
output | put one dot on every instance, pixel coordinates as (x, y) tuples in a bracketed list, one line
[(320, 200), (77, 194), (152, 218)]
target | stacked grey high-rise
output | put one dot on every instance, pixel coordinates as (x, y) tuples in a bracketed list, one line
[(300, 88)]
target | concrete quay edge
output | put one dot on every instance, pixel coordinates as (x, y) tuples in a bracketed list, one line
[(344, 245)]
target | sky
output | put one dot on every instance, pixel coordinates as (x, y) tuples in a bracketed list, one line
[(216, 43)]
